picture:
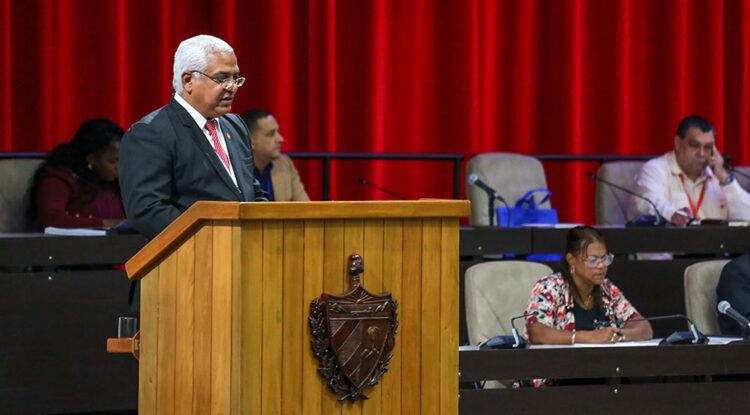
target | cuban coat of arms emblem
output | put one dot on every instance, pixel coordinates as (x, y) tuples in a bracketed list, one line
[(353, 335)]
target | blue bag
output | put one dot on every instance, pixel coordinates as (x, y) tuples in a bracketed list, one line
[(526, 211)]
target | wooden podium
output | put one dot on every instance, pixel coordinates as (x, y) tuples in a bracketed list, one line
[(225, 298)]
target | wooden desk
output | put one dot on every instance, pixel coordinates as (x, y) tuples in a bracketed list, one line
[(59, 300), (716, 240), (664, 380)]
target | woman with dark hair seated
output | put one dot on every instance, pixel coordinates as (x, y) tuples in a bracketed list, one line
[(579, 304), (77, 186)]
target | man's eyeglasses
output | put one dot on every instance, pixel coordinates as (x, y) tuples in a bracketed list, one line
[(593, 261), (225, 83)]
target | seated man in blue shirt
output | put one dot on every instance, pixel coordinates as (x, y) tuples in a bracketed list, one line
[(274, 171)]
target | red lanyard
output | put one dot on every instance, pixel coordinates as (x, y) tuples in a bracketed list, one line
[(694, 208)]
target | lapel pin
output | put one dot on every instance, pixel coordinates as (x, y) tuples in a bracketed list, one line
[(229, 135)]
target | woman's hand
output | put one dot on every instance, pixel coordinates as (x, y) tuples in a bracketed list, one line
[(604, 335), (111, 223)]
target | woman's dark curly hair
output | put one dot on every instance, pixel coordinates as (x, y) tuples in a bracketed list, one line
[(577, 244), (93, 137)]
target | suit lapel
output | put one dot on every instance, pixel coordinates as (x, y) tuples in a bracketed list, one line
[(199, 139), (233, 140)]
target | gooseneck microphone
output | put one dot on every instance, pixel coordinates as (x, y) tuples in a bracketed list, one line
[(735, 171), (693, 336), (365, 182), (492, 195), (657, 220), (476, 181), (725, 308), (506, 342)]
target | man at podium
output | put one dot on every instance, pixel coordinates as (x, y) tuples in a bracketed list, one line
[(193, 148)]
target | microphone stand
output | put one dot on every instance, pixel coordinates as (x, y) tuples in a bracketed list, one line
[(368, 183), (674, 338), (492, 195), (737, 172), (659, 220), (506, 342), (491, 208)]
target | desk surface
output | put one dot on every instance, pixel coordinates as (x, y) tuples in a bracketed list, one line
[(60, 301), (36, 249), (622, 380), (484, 240)]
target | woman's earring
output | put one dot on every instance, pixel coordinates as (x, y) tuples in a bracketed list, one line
[(90, 166)]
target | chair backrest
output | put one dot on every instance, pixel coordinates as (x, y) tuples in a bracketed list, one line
[(496, 291), (701, 280), (15, 179), (743, 180), (612, 204), (512, 175)]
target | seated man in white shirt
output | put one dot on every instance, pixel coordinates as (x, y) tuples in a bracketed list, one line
[(691, 182)]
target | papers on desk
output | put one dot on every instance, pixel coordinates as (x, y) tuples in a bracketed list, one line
[(551, 225), (642, 343), (468, 348), (723, 340), (51, 230)]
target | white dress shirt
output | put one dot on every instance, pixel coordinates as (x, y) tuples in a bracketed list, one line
[(201, 121), (663, 181)]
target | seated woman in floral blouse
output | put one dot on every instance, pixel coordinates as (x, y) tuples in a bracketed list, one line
[(579, 304)]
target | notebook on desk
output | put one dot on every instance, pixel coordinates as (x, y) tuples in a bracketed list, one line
[(51, 230)]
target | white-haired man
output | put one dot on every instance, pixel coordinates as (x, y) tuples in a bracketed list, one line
[(193, 148)]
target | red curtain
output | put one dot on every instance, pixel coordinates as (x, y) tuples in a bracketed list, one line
[(417, 76)]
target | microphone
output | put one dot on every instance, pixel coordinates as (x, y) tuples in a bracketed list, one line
[(476, 181), (368, 183), (725, 308), (492, 195), (506, 342), (735, 171), (693, 336), (640, 220)]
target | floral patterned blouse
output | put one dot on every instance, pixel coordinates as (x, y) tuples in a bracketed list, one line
[(551, 304)]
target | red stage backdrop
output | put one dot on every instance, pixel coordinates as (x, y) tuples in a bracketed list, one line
[(412, 76)]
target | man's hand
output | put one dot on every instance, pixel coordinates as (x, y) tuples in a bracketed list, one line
[(681, 217), (716, 162)]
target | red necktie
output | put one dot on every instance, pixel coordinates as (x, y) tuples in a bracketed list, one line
[(211, 127)]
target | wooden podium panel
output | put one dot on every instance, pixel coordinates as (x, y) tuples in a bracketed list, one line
[(226, 291)]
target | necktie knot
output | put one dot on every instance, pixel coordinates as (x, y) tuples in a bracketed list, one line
[(211, 127)]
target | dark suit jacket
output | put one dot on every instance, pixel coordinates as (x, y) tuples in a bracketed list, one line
[(734, 286), (167, 164)]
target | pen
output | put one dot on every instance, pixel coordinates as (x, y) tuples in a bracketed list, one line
[(607, 323), (681, 212)]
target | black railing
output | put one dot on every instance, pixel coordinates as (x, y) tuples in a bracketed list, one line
[(326, 158), (600, 158)]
